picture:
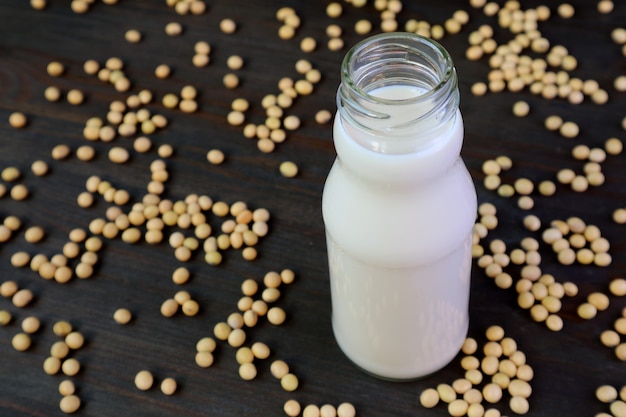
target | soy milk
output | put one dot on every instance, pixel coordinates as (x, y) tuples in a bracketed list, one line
[(398, 207)]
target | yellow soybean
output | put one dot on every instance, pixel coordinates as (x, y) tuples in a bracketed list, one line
[(288, 169), (144, 380), (289, 382), (122, 316), (429, 398), (70, 404), (21, 342)]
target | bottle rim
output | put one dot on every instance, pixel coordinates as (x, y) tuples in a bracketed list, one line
[(402, 41), (398, 92)]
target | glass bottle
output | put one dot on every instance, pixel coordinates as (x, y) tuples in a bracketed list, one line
[(399, 206)]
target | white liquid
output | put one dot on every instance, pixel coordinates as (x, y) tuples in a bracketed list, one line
[(399, 247)]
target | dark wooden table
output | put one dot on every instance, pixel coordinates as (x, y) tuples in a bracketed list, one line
[(569, 365)]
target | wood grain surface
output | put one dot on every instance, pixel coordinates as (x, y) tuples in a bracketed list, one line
[(569, 365)]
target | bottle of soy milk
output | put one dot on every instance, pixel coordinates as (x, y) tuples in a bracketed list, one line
[(399, 206)]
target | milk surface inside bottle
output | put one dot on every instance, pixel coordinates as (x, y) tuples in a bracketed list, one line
[(399, 206)]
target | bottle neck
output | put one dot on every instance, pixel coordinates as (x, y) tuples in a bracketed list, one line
[(406, 169), (398, 93)]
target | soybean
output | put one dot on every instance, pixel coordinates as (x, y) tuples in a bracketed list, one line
[(247, 371), (168, 386), (288, 169), (144, 380), (70, 367), (289, 382), (70, 404), (122, 316), (429, 398), (21, 342)]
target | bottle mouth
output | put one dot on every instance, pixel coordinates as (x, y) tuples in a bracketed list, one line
[(399, 59), (392, 81)]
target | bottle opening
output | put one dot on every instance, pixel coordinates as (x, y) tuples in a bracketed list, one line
[(395, 83)]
